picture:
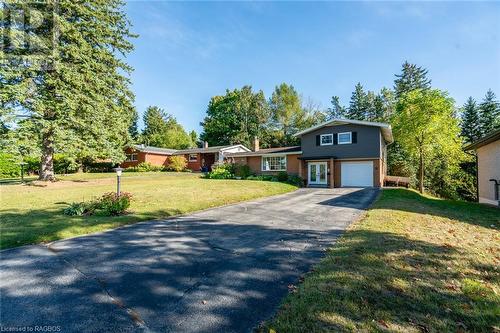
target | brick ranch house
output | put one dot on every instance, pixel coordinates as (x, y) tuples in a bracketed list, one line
[(199, 159), (336, 153)]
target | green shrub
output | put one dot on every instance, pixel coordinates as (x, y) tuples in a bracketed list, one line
[(177, 163), (148, 167), (111, 204), (282, 176), (295, 180), (242, 171), (9, 167), (99, 166), (80, 208), (64, 165), (254, 177), (222, 171)]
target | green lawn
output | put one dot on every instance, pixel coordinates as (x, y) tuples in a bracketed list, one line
[(413, 264), (33, 213)]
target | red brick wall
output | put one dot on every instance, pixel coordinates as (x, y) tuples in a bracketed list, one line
[(255, 164)]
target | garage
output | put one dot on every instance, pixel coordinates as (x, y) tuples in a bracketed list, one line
[(356, 174)]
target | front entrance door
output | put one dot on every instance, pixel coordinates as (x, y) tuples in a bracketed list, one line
[(317, 173)]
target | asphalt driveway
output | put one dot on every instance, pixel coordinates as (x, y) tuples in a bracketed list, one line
[(220, 270)]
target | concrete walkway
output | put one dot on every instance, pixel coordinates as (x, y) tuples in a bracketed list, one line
[(220, 270)]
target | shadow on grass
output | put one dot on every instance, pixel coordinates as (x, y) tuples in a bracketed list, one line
[(186, 274), (462, 211), (45, 225), (376, 281)]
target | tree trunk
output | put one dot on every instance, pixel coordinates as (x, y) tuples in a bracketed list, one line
[(47, 164), (421, 183)]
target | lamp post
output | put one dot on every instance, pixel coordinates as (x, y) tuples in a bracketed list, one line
[(118, 176), (22, 164)]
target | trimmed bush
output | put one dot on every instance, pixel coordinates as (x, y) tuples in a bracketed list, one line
[(9, 167), (282, 176), (222, 171), (295, 180), (148, 167), (177, 163), (242, 171)]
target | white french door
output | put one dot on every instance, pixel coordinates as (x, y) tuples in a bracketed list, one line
[(317, 172)]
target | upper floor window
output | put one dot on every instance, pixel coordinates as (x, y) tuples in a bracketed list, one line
[(326, 139), (131, 157), (273, 163), (344, 138), (193, 157)]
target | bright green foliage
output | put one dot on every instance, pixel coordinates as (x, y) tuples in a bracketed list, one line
[(287, 115), (236, 117), (412, 77), (177, 163), (9, 167), (427, 130), (490, 113), (163, 130), (76, 95), (222, 171), (471, 126)]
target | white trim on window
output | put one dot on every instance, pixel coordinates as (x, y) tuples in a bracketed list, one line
[(273, 163), (325, 136), (344, 143), (131, 157), (193, 157)]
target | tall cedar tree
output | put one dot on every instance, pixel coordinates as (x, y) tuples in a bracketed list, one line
[(236, 117), (412, 77), (489, 113), (76, 95), (471, 126), (359, 104)]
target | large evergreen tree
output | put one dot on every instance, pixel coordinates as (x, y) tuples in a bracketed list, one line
[(471, 126), (412, 77), (236, 117), (359, 104), (489, 113), (68, 80), (336, 111)]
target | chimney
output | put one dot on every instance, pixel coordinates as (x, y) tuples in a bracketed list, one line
[(205, 144), (256, 144)]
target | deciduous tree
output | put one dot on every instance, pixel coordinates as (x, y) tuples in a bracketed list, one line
[(426, 127)]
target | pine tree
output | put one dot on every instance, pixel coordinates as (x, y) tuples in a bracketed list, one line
[(489, 113), (336, 111), (70, 80), (359, 104), (133, 129), (412, 77), (471, 126)]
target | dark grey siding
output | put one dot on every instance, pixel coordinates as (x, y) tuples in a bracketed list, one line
[(368, 143)]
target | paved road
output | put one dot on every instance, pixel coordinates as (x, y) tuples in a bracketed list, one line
[(220, 270)]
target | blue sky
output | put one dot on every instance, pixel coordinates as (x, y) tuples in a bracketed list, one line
[(190, 51)]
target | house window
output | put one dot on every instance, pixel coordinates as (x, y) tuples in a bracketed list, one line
[(345, 138), (131, 157), (274, 163), (326, 139), (193, 157)]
